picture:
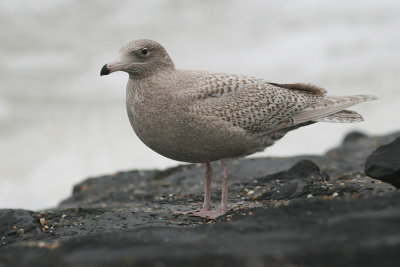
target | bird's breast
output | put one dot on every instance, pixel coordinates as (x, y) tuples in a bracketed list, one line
[(170, 129), (156, 122)]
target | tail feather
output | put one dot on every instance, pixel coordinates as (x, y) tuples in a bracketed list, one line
[(329, 109), (329, 106), (344, 116)]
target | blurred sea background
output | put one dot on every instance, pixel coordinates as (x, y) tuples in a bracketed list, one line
[(61, 123)]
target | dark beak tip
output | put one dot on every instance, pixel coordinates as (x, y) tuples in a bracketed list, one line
[(104, 70)]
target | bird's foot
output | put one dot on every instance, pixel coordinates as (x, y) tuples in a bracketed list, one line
[(186, 212), (190, 212), (208, 214)]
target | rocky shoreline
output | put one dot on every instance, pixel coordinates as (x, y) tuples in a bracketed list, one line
[(317, 210)]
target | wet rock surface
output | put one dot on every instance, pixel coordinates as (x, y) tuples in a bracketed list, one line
[(293, 211), (384, 163)]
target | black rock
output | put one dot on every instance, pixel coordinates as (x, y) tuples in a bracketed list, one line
[(293, 183), (354, 136), (13, 222), (301, 170), (384, 163), (313, 210)]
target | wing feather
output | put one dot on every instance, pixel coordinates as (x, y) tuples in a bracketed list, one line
[(328, 106), (252, 104)]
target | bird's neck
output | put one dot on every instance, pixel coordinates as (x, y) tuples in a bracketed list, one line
[(151, 87)]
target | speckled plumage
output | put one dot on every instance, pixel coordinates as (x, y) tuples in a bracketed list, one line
[(197, 116), (202, 116)]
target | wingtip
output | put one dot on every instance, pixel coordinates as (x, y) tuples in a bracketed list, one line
[(370, 97), (364, 98)]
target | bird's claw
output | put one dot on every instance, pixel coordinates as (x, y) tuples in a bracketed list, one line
[(202, 213), (209, 214)]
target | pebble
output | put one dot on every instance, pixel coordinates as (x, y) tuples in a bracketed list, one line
[(20, 232), (251, 192)]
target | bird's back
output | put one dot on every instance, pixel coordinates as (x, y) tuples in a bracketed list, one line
[(198, 116)]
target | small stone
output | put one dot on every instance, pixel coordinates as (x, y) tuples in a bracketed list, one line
[(42, 221), (309, 196), (335, 194), (47, 245), (84, 188), (251, 192), (20, 232), (281, 203)]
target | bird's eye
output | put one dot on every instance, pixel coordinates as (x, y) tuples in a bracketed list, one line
[(144, 51)]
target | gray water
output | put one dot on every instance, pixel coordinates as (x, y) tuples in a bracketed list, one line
[(60, 122)]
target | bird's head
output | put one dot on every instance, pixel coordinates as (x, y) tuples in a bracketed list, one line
[(140, 58)]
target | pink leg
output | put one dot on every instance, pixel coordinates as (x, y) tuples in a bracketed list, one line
[(225, 180), (213, 214), (207, 205)]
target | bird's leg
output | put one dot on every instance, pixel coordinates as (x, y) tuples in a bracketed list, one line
[(213, 214), (225, 180), (207, 205)]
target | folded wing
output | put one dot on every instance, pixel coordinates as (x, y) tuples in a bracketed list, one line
[(262, 107)]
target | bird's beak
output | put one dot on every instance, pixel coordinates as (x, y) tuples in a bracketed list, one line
[(112, 66)]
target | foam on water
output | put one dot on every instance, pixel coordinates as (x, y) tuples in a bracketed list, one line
[(60, 122)]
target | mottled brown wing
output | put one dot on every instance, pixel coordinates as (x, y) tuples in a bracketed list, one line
[(252, 104)]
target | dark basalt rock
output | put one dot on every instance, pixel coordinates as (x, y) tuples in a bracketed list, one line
[(293, 211), (9, 219), (354, 136), (384, 163)]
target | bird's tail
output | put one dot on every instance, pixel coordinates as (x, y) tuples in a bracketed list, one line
[(343, 116), (332, 109)]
